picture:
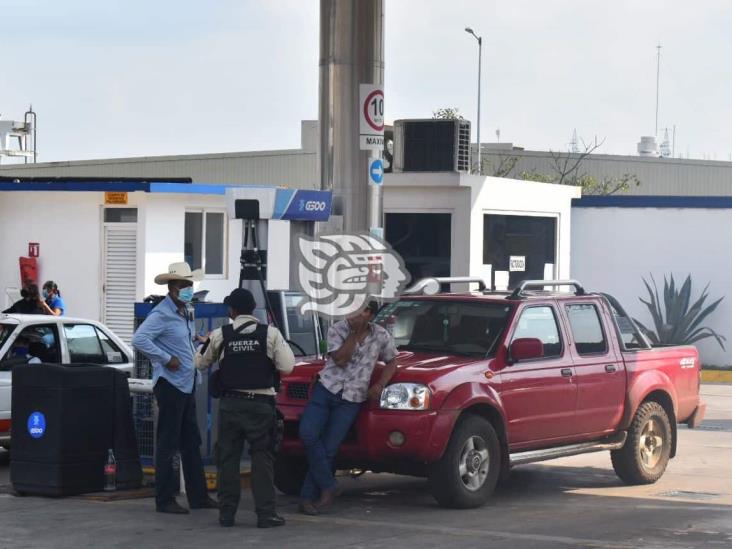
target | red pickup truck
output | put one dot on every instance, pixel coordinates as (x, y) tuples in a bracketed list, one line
[(487, 381)]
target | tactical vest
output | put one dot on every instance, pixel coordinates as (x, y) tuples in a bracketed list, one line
[(245, 365)]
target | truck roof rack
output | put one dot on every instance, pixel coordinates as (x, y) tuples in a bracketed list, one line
[(519, 292), (431, 286)]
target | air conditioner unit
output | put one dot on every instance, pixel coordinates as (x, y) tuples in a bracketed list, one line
[(431, 145)]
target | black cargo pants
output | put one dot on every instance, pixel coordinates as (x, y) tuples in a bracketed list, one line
[(251, 421)]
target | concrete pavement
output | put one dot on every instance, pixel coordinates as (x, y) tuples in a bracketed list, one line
[(572, 502)]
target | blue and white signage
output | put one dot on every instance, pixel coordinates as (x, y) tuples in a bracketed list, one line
[(302, 205), (376, 171), (281, 203), (37, 424)]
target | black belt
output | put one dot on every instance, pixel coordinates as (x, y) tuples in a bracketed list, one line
[(246, 395)]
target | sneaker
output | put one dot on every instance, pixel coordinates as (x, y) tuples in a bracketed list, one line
[(172, 508), (270, 522)]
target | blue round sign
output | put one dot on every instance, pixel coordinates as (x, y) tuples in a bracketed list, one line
[(37, 424), (376, 171)]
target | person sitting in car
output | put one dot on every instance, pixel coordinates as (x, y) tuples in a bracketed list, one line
[(24, 351)]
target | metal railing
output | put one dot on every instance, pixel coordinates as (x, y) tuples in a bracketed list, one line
[(431, 286), (523, 286)]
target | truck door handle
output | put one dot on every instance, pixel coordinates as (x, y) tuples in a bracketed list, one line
[(610, 368), (566, 372)]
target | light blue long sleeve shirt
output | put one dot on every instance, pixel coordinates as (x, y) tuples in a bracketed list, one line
[(164, 334)]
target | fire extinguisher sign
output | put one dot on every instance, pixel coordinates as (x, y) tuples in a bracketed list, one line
[(34, 249)]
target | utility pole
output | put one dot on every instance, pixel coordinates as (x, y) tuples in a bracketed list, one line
[(480, 50), (658, 74)]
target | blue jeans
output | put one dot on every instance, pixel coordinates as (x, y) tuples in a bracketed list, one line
[(323, 426)]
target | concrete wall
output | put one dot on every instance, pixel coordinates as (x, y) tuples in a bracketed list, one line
[(612, 248), (68, 228), (297, 168), (658, 176)]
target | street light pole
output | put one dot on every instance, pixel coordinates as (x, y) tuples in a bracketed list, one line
[(480, 52)]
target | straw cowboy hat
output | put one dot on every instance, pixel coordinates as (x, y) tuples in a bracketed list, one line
[(179, 271)]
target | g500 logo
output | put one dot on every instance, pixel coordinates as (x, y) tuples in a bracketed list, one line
[(313, 205), (339, 273)]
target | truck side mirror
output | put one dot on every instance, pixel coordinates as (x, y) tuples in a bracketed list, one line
[(526, 348)]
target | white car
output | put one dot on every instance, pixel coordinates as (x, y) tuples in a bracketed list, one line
[(54, 339)]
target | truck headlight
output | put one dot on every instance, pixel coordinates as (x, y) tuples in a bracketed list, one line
[(405, 396)]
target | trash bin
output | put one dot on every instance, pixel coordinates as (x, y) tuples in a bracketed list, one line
[(64, 420)]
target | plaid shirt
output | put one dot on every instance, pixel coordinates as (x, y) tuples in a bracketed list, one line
[(354, 378)]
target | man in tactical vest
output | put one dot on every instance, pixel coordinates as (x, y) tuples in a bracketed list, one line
[(250, 355)]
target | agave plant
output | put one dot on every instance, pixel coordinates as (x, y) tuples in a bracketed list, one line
[(676, 320)]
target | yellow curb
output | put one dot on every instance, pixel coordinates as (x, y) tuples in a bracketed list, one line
[(716, 376), (210, 477)]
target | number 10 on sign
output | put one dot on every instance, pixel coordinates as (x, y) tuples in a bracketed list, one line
[(371, 109)]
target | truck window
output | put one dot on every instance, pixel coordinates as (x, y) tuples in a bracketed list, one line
[(584, 320), (112, 353), (540, 323), (630, 336), (457, 327)]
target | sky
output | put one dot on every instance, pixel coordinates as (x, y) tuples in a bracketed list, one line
[(159, 77)]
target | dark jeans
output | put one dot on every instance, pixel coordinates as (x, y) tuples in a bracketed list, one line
[(323, 426), (251, 421), (177, 431)]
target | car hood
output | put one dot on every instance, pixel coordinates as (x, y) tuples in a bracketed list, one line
[(412, 365), (411, 361)]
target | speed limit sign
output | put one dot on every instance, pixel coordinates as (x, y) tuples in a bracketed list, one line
[(371, 115)]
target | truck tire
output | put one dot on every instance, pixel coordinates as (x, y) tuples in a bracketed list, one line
[(467, 473), (647, 449), (289, 474)]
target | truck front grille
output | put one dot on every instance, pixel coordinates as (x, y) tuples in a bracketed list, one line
[(297, 391)]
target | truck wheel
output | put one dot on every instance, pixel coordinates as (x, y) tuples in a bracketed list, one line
[(289, 474), (467, 473), (645, 455)]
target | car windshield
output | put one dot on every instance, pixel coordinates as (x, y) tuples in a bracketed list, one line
[(457, 327), (5, 331)]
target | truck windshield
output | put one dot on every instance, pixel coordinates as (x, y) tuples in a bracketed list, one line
[(454, 327), (5, 331)]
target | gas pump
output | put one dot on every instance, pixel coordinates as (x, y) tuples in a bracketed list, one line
[(272, 219)]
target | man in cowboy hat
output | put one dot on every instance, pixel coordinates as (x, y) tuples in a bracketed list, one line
[(166, 338)]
